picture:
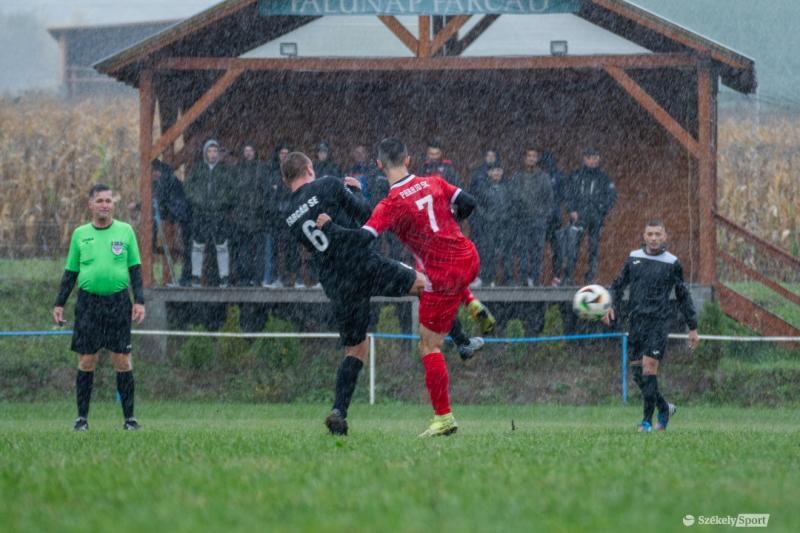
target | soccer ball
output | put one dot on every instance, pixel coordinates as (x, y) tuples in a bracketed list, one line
[(591, 302)]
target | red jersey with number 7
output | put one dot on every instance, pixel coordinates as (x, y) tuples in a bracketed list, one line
[(419, 211)]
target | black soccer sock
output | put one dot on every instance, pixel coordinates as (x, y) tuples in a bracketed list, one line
[(636, 370), (346, 378), (83, 391), (457, 334), (661, 403), (125, 389), (649, 392)]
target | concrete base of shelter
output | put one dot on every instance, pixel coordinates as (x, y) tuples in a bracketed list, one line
[(163, 305)]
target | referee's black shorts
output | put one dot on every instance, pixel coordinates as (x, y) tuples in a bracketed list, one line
[(647, 337), (102, 322), (350, 293)]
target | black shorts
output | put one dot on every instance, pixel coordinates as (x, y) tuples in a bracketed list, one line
[(647, 337), (102, 322), (350, 294)]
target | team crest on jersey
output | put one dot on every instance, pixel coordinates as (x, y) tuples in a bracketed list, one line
[(117, 247)]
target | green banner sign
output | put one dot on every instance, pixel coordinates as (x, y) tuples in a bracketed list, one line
[(415, 7)]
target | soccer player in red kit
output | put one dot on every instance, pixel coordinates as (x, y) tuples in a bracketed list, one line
[(423, 213)]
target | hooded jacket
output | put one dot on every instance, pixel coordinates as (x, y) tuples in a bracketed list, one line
[(210, 188)]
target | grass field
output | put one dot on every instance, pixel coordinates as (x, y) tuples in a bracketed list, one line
[(221, 467)]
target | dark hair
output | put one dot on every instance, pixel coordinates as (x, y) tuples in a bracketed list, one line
[(295, 165), (392, 152), (655, 223), (591, 152), (98, 187), (436, 142)]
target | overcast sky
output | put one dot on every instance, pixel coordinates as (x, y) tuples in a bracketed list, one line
[(69, 12), (764, 30)]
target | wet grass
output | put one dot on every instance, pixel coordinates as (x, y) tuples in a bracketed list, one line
[(215, 467)]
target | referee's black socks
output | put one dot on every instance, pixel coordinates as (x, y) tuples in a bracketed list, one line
[(125, 389), (83, 391), (346, 378)]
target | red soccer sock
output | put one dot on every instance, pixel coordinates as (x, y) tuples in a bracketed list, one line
[(438, 381)]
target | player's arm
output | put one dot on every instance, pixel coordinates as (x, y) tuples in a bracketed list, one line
[(353, 202), (617, 292), (463, 205), (685, 304), (358, 236)]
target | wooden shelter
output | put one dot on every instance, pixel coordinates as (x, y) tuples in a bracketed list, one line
[(458, 75)]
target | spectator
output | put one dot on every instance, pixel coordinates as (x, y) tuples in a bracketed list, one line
[(286, 253), (533, 196), (558, 182), (211, 196), (367, 173), (324, 165), (249, 224), (434, 165), (480, 174), (169, 198), (272, 241), (496, 226), (591, 196)]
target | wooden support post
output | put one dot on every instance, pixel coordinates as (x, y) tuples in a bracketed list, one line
[(146, 110), (658, 113), (400, 31), (707, 192), (191, 114), (424, 48), (448, 32)]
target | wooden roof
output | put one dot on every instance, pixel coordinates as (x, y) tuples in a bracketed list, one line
[(234, 27)]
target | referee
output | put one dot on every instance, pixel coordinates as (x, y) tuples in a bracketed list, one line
[(652, 273), (103, 259)]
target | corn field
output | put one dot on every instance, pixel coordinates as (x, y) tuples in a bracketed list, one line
[(51, 152)]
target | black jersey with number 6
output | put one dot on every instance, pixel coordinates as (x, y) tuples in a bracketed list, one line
[(336, 257)]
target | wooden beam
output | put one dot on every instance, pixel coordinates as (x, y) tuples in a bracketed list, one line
[(753, 315), (762, 245), (658, 112), (758, 276), (424, 46), (473, 34), (146, 110), (706, 186), (191, 114), (312, 64), (448, 32), (400, 31)]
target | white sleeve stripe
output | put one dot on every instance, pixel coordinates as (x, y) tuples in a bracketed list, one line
[(371, 230), (455, 195)]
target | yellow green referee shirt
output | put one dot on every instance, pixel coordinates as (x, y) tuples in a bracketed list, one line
[(102, 257)]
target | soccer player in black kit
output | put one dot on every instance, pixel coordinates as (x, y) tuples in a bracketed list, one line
[(350, 272), (651, 273)]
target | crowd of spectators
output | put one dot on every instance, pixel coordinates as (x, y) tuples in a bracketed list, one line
[(227, 211)]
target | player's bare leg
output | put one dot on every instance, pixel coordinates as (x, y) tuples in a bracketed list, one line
[(437, 382), (355, 357), (125, 387)]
